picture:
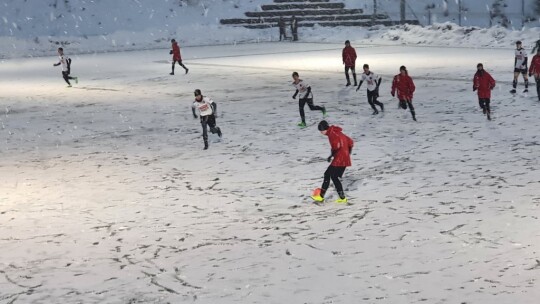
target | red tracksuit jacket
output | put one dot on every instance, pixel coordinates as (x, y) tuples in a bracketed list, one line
[(535, 65), (483, 82), (349, 56), (404, 86), (341, 146), (176, 52)]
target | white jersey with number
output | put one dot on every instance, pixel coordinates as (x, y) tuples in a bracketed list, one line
[(64, 61), (520, 59), (371, 80), (302, 88), (204, 106)]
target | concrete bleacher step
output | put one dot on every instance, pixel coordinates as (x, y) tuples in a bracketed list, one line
[(297, 13), (244, 21), (309, 13), (335, 24), (289, 1), (291, 6)]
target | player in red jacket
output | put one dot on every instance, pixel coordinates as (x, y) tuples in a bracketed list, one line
[(176, 56), (404, 86), (483, 83), (349, 60), (341, 147), (535, 70)]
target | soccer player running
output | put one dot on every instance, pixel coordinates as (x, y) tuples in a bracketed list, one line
[(520, 67), (207, 111), (483, 83), (340, 158), (535, 70), (404, 86), (373, 83), (306, 96), (65, 61)]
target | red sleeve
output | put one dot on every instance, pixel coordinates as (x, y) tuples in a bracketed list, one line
[(334, 142), (533, 64), (343, 55), (475, 81), (394, 85), (351, 142), (354, 54), (491, 82), (411, 85)]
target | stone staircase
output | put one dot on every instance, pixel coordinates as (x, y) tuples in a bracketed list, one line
[(309, 13)]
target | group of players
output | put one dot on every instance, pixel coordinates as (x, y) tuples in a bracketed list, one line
[(402, 85), (341, 144), (484, 83)]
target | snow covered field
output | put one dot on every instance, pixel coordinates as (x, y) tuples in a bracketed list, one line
[(108, 197)]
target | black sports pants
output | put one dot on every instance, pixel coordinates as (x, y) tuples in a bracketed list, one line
[(302, 102), (65, 75), (210, 121), (333, 173), (372, 99)]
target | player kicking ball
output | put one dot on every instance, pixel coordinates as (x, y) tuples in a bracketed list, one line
[(341, 148)]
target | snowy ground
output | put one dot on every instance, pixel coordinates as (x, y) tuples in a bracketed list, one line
[(107, 196)]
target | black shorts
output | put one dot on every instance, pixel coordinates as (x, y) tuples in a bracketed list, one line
[(522, 71)]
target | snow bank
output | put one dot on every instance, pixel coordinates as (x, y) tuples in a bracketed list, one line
[(444, 34), (448, 34)]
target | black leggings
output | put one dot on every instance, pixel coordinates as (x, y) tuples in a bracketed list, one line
[(66, 76), (353, 74), (372, 99), (333, 173), (403, 104), (484, 104), (537, 79), (208, 120), (180, 63), (302, 102)]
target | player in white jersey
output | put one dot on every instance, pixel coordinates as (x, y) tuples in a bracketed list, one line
[(207, 111), (373, 82), (303, 90), (520, 67), (65, 61)]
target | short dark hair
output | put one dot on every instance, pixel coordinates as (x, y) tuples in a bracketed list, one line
[(479, 65), (323, 125), (295, 74), (366, 66), (61, 49)]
